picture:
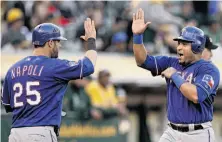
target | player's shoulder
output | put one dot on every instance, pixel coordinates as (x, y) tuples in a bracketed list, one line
[(208, 65), (18, 63), (167, 58), (63, 62), (173, 60), (28, 60)]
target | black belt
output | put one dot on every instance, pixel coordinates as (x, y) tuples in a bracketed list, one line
[(56, 130), (185, 128)]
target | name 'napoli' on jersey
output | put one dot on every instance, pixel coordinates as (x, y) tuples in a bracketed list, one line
[(34, 86), (44, 81)]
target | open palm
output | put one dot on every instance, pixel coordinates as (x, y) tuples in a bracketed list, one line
[(139, 26), (90, 30)]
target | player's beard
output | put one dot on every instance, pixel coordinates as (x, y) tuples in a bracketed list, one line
[(187, 59), (54, 52), (183, 64)]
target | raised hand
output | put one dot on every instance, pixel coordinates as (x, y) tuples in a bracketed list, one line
[(90, 30), (139, 26)]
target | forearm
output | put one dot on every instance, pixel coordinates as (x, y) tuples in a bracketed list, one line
[(187, 89), (140, 52), (91, 53), (138, 28)]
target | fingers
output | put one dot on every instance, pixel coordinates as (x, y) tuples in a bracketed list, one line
[(93, 25), (83, 37), (88, 24), (89, 21), (85, 25), (147, 24), (90, 30), (137, 14), (140, 14)]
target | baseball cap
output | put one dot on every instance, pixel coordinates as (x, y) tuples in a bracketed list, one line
[(14, 14), (209, 43)]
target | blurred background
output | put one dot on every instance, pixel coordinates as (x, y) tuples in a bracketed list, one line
[(119, 102)]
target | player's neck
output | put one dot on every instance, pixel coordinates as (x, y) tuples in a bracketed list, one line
[(40, 52), (196, 58)]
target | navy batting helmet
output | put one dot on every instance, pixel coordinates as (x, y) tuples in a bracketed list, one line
[(193, 35), (45, 32)]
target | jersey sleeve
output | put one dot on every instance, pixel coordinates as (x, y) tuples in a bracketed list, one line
[(157, 64), (68, 70), (5, 97), (207, 82)]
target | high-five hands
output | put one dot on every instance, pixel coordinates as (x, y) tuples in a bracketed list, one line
[(139, 26), (90, 30)]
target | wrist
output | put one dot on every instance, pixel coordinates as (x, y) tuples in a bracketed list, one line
[(177, 79), (91, 43), (91, 38), (138, 39)]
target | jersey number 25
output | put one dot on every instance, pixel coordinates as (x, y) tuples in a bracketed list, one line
[(18, 86)]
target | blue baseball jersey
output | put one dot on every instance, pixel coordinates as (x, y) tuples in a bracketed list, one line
[(202, 73), (34, 88)]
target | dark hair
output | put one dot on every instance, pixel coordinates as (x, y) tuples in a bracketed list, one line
[(209, 43), (103, 73), (39, 46)]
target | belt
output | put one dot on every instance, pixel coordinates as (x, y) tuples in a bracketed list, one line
[(185, 128), (56, 130)]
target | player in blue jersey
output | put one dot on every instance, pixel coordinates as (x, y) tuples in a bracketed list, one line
[(192, 83), (34, 86)]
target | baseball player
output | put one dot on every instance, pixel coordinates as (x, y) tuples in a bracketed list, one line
[(191, 83), (34, 86), (209, 45)]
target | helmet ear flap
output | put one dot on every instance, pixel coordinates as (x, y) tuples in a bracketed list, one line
[(194, 48), (202, 46), (199, 45)]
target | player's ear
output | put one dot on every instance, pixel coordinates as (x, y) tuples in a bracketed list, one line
[(50, 43)]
